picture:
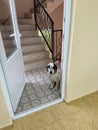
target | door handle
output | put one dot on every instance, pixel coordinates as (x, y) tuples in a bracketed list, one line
[(13, 35), (20, 34)]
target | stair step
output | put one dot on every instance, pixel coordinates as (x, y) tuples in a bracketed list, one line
[(25, 21), (9, 50), (37, 64), (47, 1), (27, 27), (5, 28), (9, 42), (28, 15), (50, 0), (32, 10), (9, 28), (25, 41), (6, 35), (33, 48), (30, 40), (35, 56), (29, 33)]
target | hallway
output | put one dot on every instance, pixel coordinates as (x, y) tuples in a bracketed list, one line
[(36, 91), (81, 114)]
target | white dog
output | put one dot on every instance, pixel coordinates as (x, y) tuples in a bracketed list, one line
[(54, 74)]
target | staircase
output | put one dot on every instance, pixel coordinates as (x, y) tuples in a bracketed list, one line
[(33, 47)]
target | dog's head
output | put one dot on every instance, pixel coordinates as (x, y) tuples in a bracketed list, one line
[(51, 68)]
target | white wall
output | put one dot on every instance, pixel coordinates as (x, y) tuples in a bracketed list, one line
[(82, 74)]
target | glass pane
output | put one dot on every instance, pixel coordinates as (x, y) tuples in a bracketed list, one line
[(6, 28)]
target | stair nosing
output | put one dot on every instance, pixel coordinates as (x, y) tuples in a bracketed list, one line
[(43, 59), (29, 36), (33, 37), (31, 43), (35, 52)]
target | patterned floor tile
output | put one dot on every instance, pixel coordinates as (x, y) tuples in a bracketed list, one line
[(36, 90)]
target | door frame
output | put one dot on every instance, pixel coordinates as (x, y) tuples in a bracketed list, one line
[(66, 28)]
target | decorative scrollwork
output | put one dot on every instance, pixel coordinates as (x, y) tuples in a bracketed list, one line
[(57, 44), (44, 24)]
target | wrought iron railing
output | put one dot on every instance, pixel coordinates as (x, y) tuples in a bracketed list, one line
[(5, 21), (57, 45), (45, 24)]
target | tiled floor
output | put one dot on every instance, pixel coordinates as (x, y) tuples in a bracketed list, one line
[(81, 114), (36, 90)]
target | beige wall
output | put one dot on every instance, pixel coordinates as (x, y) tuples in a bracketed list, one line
[(24, 6), (57, 16), (53, 4), (82, 76), (5, 119), (4, 9), (21, 7)]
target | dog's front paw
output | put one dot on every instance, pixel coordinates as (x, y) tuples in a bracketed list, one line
[(51, 86)]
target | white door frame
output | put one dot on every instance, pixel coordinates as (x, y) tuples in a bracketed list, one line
[(66, 28)]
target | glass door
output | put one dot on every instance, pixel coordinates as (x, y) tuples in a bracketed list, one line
[(10, 52)]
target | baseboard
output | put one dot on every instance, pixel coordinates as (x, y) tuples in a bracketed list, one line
[(76, 98), (8, 125)]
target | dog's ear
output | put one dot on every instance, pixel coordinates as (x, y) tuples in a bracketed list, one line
[(55, 68), (48, 66)]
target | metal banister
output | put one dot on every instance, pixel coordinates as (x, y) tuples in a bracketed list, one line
[(45, 24)]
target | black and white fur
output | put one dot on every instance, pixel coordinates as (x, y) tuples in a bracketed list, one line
[(54, 74)]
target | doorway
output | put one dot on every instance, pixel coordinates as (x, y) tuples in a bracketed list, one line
[(36, 91), (52, 102)]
